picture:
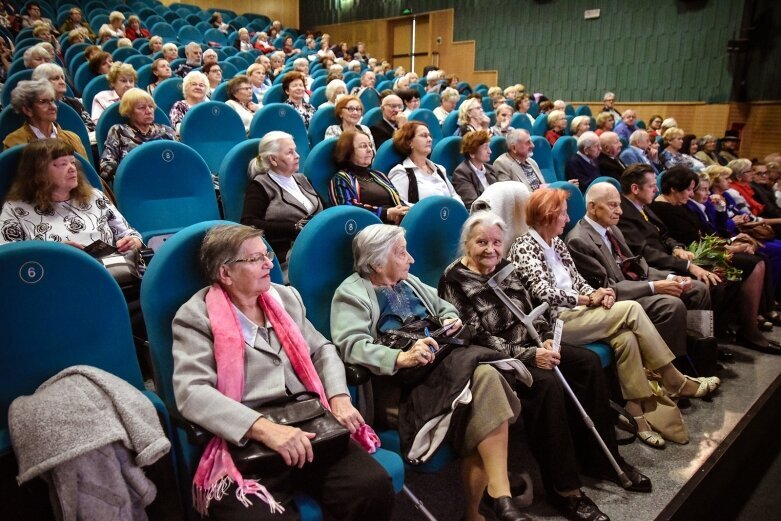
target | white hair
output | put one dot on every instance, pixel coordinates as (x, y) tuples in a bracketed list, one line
[(587, 139), (269, 146), (372, 247)]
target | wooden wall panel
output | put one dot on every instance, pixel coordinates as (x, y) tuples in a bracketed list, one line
[(286, 11), (376, 34), (760, 127)]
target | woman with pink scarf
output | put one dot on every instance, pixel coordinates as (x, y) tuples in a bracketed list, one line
[(243, 342)]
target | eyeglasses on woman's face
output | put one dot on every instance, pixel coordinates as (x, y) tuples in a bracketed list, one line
[(260, 257)]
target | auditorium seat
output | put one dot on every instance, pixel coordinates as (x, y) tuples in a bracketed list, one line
[(320, 167), (111, 117), (426, 116), (448, 154), (498, 146), (280, 116), (95, 85), (319, 123), (565, 147), (211, 128), (387, 157), (168, 92), (544, 158)]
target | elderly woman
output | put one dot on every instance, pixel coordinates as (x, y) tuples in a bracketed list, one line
[(547, 418), (114, 28), (217, 22), (278, 200), (155, 44), (36, 55), (287, 47), (134, 29), (100, 62), (357, 184), (240, 99), (54, 74), (684, 225), (294, 85), (277, 61), (121, 78), (605, 122), (504, 115), (170, 51), (257, 78), (447, 103), (673, 154), (37, 102), (242, 303), (243, 42), (138, 107), (348, 111), (706, 152), (522, 105), (474, 174), (557, 122), (417, 177), (333, 91), (471, 117), (382, 296), (51, 200), (547, 269), (579, 125), (161, 70), (194, 87), (262, 44), (44, 32)]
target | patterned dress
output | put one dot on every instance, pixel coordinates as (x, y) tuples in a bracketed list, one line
[(305, 109), (122, 138)]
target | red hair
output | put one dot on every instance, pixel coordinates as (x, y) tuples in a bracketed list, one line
[(544, 206)]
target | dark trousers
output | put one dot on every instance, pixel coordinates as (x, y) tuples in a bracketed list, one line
[(558, 437), (354, 487)]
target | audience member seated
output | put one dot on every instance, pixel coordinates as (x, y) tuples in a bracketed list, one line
[(161, 70), (763, 189), (121, 78), (170, 52), (392, 119), (240, 99), (194, 88), (707, 150), (471, 117), (138, 107), (213, 73), (348, 111), (382, 296), (217, 22), (690, 148), (333, 91), (523, 103), (262, 44), (579, 125), (548, 419), (210, 368), (193, 55), (77, 36), (637, 151), (517, 164), (504, 115), (51, 200), (448, 99), (36, 55), (475, 173), (582, 166), (607, 106), (134, 29), (605, 121), (547, 269), (357, 184), (295, 89), (368, 80), (410, 98), (33, 16), (155, 44), (654, 126), (729, 144), (243, 42), (288, 48), (609, 162), (76, 20), (114, 28), (557, 122), (37, 102), (417, 177), (44, 32), (279, 200), (626, 126), (672, 155), (54, 75)]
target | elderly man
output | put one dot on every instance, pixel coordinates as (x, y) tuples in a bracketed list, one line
[(75, 20), (516, 164), (368, 80), (583, 166), (192, 54), (607, 101), (603, 257), (392, 118), (637, 151), (627, 125), (730, 144), (210, 56), (609, 162)]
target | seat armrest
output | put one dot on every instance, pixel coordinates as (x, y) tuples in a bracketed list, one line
[(356, 374)]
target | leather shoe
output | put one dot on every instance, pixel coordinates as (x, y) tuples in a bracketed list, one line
[(640, 482), (577, 508), (772, 348), (499, 509)]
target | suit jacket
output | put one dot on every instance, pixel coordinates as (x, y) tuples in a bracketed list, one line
[(25, 134), (468, 185), (381, 132), (580, 169), (650, 238), (633, 155), (610, 167), (508, 169), (268, 373), (598, 266)]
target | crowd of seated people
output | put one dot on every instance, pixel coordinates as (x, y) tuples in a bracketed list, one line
[(706, 188)]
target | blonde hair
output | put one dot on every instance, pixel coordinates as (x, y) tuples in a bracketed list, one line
[(672, 133), (132, 98), (120, 69), (555, 115), (115, 15)]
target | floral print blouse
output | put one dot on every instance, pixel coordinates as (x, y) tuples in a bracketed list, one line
[(122, 138)]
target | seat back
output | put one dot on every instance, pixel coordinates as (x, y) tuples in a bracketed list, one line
[(450, 125), (70, 120), (10, 120), (95, 85), (280, 116), (82, 77), (163, 186), (448, 154), (198, 130), (387, 157), (521, 121), (319, 123), (583, 110), (320, 167), (328, 238), (168, 92), (576, 204), (11, 82), (544, 158), (234, 178), (214, 35), (164, 30), (605, 179), (138, 61), (111, 117), (498, 146), (433, 228), (426, 116), (540, 126), (565, 148), (370, 99), (274, 94), (370, 117), (123, 53), (430, 101)]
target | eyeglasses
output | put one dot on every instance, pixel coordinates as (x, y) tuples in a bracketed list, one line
[(46, 102), (354, 109), (260, 257), (397, 107)]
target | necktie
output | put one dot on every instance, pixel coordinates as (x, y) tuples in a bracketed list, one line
[(616, 246)]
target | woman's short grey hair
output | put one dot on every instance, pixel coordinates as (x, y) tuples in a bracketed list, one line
[(47, 71), (191, 77), (449, 94), (36, 51), (170, 45), (157, 39), (209, 52), (669, 123), (576, 121), (300, 61), (481, 218), (738, 166), (330, 89), (372, 247), (26, 92), (636, 136), (707, 138), (269, 146), (221, 245), (587, 139), (116, 15)]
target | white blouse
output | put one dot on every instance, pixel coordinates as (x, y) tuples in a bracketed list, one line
[(428, 184), (290, 186), (563, 280), (245, 114)]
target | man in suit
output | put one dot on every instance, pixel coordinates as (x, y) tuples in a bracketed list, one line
[(627, 125), (637, 151), (598, 248), (583, 166), (609, 162), (516, 164), (392, 118)]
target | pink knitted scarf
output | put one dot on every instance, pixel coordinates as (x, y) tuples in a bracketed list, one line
[(216, 470)]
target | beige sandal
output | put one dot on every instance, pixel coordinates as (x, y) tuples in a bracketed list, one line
[(649, 437), (706, 386)]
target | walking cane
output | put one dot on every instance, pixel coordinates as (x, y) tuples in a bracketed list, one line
[(528, 322)]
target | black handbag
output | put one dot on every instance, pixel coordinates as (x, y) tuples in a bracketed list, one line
[(305, 411)]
